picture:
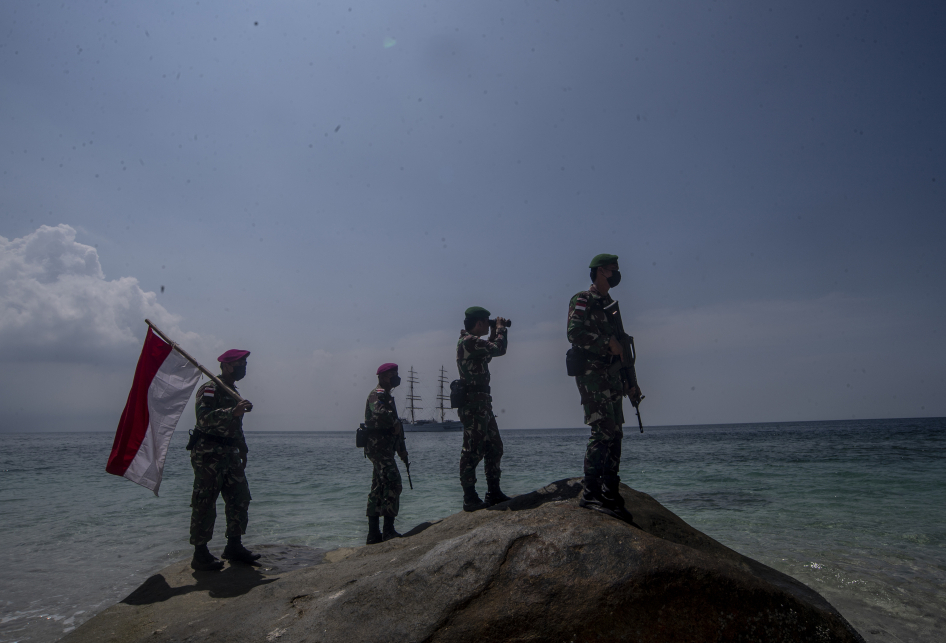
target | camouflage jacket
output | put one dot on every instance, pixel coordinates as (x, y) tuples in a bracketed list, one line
[(214, 410), (589, 327), (474, 355), (381, 419)]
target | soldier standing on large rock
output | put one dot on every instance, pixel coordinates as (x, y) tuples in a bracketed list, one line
[(596, 352), (481, 439), (385, 436), (218, 455)]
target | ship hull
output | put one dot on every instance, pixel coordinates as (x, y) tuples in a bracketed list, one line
[(433, 427)]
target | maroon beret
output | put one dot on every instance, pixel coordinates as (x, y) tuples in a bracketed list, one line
[(390, 366), (232, 355)]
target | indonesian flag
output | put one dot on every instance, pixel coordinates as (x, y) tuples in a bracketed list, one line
[(163, 384)]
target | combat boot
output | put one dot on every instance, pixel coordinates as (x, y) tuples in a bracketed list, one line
[(613, 500), (494, 494), (235, 552), (471, 499), (592, 497), (204, 561), (374, 531), (387, 533)]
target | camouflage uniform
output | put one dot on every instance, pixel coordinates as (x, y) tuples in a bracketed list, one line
[(481, 439), (218, 459), (600, 385), (385, 437)]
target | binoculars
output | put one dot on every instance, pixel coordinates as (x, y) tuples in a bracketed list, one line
[(492, 323)]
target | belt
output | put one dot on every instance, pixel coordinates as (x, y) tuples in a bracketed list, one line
[(219, 439), (476, 389)]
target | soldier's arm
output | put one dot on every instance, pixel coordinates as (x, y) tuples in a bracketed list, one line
[(582, 331), (485, 348), (400, 446)]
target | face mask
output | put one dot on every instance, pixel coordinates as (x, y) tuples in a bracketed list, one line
[(395, 381), (239, 373), (615, 278)]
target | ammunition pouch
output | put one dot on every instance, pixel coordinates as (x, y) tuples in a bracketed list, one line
[(462, 393), (197, 434), (456, 394), (362, 433), (576, 361)]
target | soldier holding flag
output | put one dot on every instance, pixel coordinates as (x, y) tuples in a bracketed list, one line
[(218, 456)]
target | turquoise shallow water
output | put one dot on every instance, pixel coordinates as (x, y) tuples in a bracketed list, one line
[(855, 509)]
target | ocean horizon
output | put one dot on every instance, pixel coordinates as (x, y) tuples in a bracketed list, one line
[(852, 508)]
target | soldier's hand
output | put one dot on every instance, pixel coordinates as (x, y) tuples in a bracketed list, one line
[(500, 322), (616, 347), (634, 394), (241, 408)]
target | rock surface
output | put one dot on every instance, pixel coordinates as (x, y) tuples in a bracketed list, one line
[(537, 568)]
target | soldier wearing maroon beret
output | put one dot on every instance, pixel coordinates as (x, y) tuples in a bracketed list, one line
[(218, 456), (385, 438)]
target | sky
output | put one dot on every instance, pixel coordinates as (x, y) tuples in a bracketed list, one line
[(331, 184)]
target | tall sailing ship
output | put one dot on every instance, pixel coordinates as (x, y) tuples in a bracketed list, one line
[(412, 423)]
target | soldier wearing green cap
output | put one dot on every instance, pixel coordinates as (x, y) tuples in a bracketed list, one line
[(595, 343), (481, 439)]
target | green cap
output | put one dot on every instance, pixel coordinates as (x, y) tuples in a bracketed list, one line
[(476, 312), (603, 260)]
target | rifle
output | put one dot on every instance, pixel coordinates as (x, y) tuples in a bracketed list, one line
[(627, 371)]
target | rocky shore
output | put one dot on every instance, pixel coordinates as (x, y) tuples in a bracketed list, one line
[(537, 568)]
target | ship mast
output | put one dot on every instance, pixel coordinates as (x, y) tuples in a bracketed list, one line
[(411, 398), (442, 398)]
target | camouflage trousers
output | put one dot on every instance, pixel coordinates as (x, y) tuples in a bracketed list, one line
[(481, 441), (218, 470), (601, 397), (384, 499)]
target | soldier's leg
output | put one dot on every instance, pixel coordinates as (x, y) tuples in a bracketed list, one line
[(390, 488), (610, 479), (475, 421), (472, 451), (612, 464), (601, 445), (596, 395), (491, 462), (374, 495), (236, 498), (207, 483), (374, 529), (492, 447), (596, 400), (390, 497)]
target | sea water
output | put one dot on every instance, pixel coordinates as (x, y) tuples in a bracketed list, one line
[(854, 509)]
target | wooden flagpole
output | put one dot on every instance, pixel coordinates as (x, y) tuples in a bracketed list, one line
[(213, 378)]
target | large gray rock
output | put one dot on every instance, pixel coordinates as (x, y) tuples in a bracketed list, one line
[(537, 568)]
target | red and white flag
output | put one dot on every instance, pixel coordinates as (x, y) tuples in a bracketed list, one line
[(164, 381)]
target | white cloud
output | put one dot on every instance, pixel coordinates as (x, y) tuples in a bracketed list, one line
[(55, 303)]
